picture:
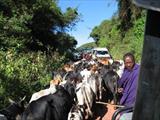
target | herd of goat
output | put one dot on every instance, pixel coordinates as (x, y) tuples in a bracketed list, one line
[(71, 95)]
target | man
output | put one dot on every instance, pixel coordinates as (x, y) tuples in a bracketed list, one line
[(128, 84), (129, 81)]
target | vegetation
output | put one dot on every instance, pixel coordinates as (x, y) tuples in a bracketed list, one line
[(33, 42), (87, 45), (123, 33)]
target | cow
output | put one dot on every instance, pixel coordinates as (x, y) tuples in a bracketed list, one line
[(110, 80), (86, 97), (110, 75), (118, 66), (13, 110), (71, 80), (95, 82), (77, 112), (50, 107), (86, 73), (47, 91)]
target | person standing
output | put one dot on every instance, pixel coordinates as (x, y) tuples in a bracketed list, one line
[(128, 84), (129, 81)]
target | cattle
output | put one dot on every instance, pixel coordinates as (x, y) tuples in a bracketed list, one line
[(77, 112), (91, 76), (71, 80), (95, 81), (86, 97), (85, 73), (50, 107), (68, 67), (47, 91), (13, 110), (110, 75), (81, 65), (118, 66), (110, 79), (70, 88)]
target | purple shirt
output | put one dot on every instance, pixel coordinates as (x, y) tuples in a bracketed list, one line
[(129, 83)]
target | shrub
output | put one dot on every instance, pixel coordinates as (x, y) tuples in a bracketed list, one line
[(22, 74)]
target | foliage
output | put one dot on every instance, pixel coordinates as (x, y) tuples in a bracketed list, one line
[(23, 74), (109, 35), (33, 42), (128, 12), (87, 45), (123, 33), (35, 25), (138, 33), (95, 34)]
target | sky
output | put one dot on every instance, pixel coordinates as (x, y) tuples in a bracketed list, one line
[(93, 12)]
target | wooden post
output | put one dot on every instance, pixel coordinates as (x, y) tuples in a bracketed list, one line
[(147, 105)]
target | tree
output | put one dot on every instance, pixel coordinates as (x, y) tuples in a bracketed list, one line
[(127, 12), (124, 32), (95, 34), (34, 25), (32, 35)]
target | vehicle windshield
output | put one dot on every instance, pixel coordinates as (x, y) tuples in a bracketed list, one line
[(102, 52)]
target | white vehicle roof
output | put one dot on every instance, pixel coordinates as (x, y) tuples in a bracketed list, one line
[(102, 49), (100, 53)]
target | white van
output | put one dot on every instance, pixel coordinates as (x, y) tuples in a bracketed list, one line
[(101, 53)]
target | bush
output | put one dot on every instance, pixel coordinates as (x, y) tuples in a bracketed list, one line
[(23, 74)]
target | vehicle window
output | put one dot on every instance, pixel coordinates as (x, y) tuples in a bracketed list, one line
[(102, 52)]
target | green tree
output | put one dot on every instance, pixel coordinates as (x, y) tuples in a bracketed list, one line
[(127, 12), (128, 37), (32, 35), (35, 25)]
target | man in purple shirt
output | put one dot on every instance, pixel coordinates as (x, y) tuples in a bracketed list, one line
[(128, 84), (129, 81)]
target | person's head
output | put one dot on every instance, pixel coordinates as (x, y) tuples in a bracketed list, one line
[(129, 60)]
